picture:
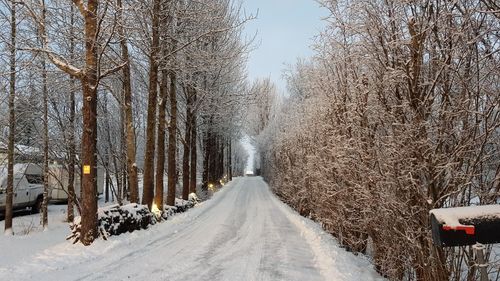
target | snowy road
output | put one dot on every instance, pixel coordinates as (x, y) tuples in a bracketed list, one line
[(243, 233)]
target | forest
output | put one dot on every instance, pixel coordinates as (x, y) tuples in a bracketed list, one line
[(138, 88)]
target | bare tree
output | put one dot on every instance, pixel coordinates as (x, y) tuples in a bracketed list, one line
[(89, 77), (12, 121), (148, 181), (129, 122)]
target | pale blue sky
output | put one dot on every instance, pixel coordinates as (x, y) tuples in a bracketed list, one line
[(285, 30)]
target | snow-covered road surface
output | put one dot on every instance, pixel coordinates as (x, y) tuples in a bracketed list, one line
[(243, 233)]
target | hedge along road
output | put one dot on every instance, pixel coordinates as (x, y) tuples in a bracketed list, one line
[(243, 233)]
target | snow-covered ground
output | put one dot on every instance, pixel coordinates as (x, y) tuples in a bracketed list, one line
[(243, 233)]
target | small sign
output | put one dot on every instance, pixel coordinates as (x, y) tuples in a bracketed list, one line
[(86, 169)]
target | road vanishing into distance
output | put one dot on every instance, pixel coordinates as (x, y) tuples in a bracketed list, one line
[(243, 233)]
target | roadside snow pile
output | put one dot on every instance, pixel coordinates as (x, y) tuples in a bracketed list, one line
[(181, 206), (168, 211), (194, 198), (116, 219)]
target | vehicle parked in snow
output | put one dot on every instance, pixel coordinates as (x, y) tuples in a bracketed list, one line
[(28, 187), (58, 182)]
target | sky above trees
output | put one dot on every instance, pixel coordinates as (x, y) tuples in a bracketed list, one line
[(285, 30)]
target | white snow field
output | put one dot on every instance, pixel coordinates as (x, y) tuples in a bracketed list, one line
[(243, 233)]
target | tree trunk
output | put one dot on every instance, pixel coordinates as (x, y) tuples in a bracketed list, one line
[(187, 146), (207, 158), (108, 150), (172, 142), (160, 158), (223, 158), (129, 121), (12, 121), (230, 160), (123, 152), (193, 149), (45, 202), (89, 134), (148, 188), (111, 156), (106, 182), (71, 137)]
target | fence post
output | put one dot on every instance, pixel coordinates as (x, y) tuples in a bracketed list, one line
[(480, 261)]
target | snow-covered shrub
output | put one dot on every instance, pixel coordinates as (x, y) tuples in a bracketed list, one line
[(180, 206), (194, 198), (168, 211), (115, 220), (183, 205)]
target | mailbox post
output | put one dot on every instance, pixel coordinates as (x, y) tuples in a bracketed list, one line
[(481, 262), (463, 226)]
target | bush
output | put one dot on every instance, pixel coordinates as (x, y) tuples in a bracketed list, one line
[(116, 219)]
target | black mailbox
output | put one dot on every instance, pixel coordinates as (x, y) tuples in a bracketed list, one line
[(466, 225)]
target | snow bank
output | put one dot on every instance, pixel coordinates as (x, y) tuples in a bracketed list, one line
[(334, 262)]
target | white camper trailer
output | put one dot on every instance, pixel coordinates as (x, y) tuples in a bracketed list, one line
[(58, 182)]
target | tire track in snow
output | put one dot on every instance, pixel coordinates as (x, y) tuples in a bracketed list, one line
[(243, 233)]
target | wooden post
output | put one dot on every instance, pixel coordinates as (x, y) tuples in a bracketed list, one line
[(481, 263)]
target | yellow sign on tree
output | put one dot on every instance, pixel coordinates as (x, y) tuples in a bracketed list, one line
[(86, 169)]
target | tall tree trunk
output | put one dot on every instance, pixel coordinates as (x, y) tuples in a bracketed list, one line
[(129, 121), (106, 182), (123, 152), (160, 158), (222, 156), (172, 141), (89, 134), (71, 137), (187, 145), (111, 155), (230, 160), (206, 159), (148, 188), (193, 149), (212, 163), (72, 200), (108, 150), (125, 186), (45, 202), (12, 121)]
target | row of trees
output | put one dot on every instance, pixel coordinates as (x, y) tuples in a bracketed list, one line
[(153, 79), (398, 113)]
